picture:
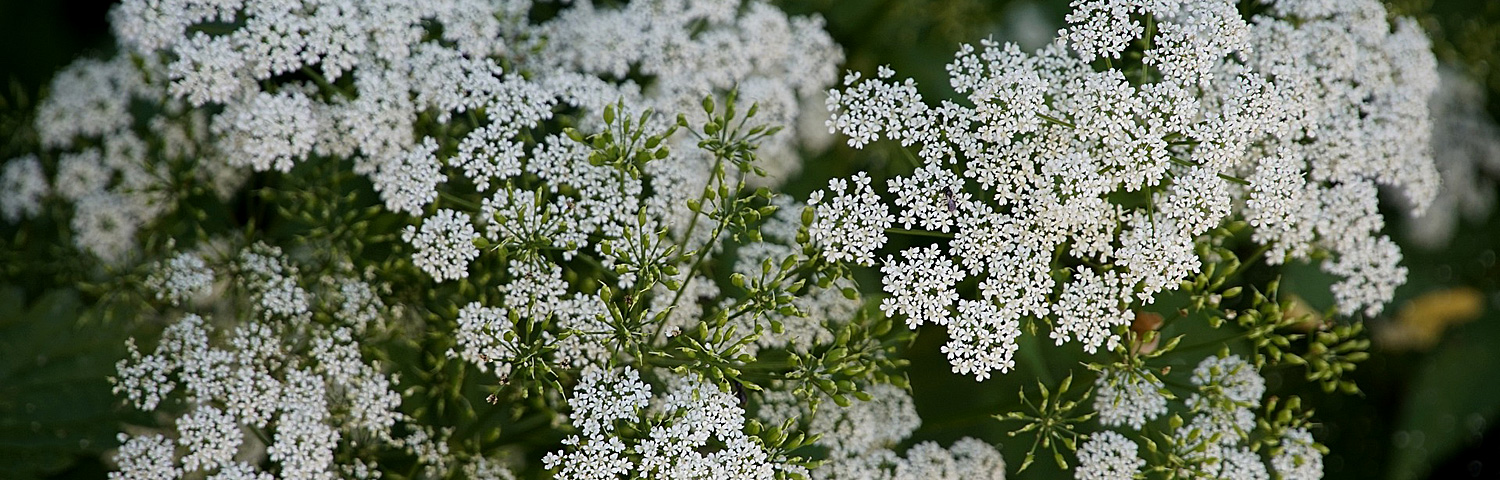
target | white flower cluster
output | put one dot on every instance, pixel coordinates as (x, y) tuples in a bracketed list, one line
[(1298, 457), (861, 438), (1107, 455), (1229, 388), (1466, 148), (444, 245), (274, 283), (400, 72), (181, 279), (22, 187), (851, 224), (1216, 440), (359, 304), (291, 391), (484, 338), (692, 47), (694, 430), (145, 457), (268, 132), (113, 164), (1231, 378), (1065, 160), (1129, 397)]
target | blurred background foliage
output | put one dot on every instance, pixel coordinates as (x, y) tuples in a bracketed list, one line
[(1430, 400)]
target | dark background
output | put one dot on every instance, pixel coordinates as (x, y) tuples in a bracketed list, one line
[(1422, 414)]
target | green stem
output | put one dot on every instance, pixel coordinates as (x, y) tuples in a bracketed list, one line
[(921, 233), (912, 159), (1230, 178), (1252, 259), (324, 84), (1055, 120), (462, 202), (717, 173)]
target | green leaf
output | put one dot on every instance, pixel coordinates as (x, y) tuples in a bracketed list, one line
[(56, 403)]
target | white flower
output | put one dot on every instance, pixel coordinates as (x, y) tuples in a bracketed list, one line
[(1099, 28), (145, 457), (240, 471), (705, 437), (930, 198), (373, 406), (602, 397), (89, 98), (982, 339), (1089, 310), (881, 422), (1108, 455), (1129, 397), (594, 459), (82, 174), (182, 278), (269, 131), (1230, 378), (860, 438), (488, 469), (1157, 254), (1241, 463), (210, 436), (22, 187), (851, 225), (921, 288), (1313, 105), (304, 442), (408, 182), (1219, 429), (967, 459), (483, 338), (1297, 458), (689, 48), (444, 245), (143, 379), (359, 305), (522, 218), (207, 69), (105, 225)]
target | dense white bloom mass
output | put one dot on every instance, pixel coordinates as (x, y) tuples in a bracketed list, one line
[(482, 338), (693, 430), (1232, 378), (282, 73), (1065, 160), (1070, 191), (22, 186), (1466, 148), (861, 438), (145, 457), (269, 132), (1298, 457), (182, 278), (304, 381), (1215, 443), (851, 224), (920, 286), (1108, 455), (1129, 397), (448, 110), (444, 245)]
